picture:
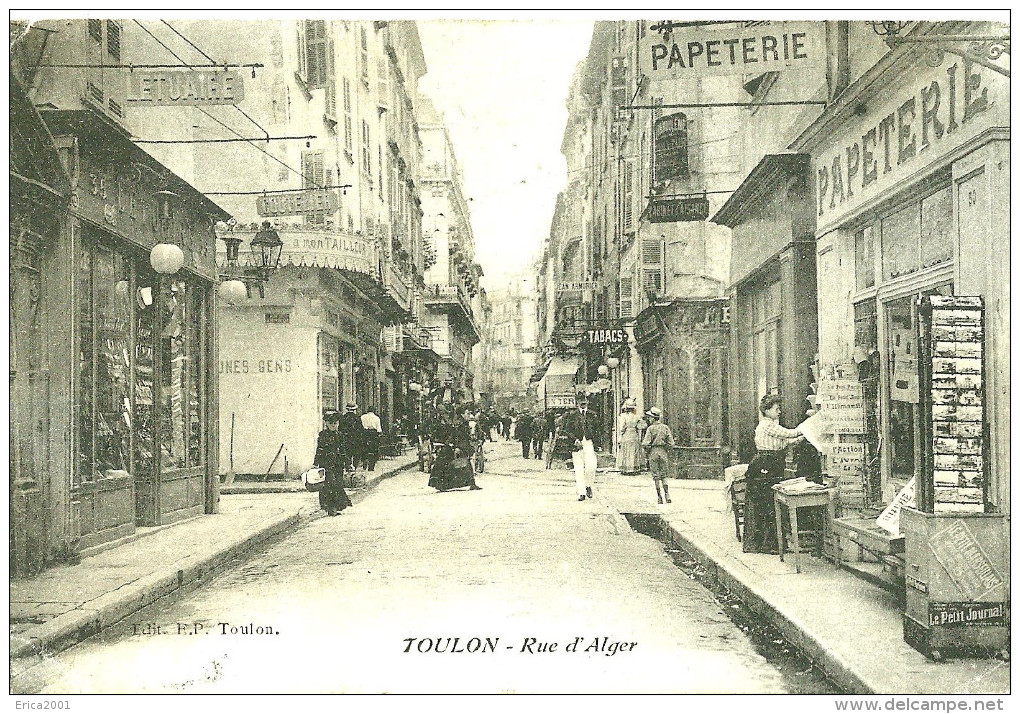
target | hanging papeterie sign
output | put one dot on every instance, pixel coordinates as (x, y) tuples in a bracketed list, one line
[(671, 52)]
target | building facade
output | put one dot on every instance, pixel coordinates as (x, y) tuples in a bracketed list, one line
[(345, 313), (121, 309), (513, 344), (452, 276)]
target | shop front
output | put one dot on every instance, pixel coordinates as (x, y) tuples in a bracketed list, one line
[(684, 349), (311, 345), (911, 173), (39, 197), (143, 393), (772, 295)]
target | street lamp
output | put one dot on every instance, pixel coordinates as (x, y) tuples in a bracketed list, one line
[(266, 248), (612, 363), (166, 258)]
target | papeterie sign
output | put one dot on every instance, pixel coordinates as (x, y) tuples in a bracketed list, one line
[(184, 88), (298, 203), (707, 50), (677, 210)]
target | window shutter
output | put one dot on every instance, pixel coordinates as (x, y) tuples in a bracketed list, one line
[(316, 51), (628, 197), (383, 68), (652, 267), (651, 251), (302, 51), (364, 55), (618, 77), (626, 296), (96, 30), (113, 39)]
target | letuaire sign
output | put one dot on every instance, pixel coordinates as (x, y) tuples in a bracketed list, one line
[(731, 49), (184, 88)]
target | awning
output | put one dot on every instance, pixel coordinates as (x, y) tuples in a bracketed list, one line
[(561, 366)]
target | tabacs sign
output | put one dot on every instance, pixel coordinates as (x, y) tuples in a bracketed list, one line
[(606, 337), (670, 52)]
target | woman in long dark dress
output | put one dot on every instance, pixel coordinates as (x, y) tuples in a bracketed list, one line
[(452, 441), (766, 470), (330, 456)]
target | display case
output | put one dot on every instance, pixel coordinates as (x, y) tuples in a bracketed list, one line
[(957, 552)]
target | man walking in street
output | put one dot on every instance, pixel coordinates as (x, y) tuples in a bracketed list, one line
[(658, 443), (580, 427), (372, 431), (525, 427), (352, 436)]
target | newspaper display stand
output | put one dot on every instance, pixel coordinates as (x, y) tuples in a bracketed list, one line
[(957, 555)]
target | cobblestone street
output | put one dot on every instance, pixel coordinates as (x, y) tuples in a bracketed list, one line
[(388, 596)]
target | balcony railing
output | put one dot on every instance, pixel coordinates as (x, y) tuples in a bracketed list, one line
[(453, 295)]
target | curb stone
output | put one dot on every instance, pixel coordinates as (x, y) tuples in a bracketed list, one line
[(792, 629)]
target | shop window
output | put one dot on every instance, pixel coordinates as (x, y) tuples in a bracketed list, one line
[(901, 234), (702, 385), (918, 236), (937, 228), (864, 258), (195, 364), (112, 277), (145, 371), (173, 379), (903, 412), (84, 419)]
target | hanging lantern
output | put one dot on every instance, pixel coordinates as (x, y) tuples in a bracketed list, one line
[(233, 291), (266, 247), (166, 258)]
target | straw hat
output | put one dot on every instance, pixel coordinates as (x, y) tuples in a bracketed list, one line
[(629, 404), (654, 413)]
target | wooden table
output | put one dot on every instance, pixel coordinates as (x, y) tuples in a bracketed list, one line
[(801, 499)]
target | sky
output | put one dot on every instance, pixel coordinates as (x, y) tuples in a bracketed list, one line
[(502, 86)]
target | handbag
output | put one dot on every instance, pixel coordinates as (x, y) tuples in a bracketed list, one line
[(314, 479)]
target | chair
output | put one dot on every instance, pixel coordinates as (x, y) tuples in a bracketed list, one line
[(737, 488), (738, 493)]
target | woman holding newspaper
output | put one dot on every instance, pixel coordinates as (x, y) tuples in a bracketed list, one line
[(764, 471)]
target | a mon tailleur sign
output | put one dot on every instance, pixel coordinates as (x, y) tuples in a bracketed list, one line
[(902, 134), (733, 49)]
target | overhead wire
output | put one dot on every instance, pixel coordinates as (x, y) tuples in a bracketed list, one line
[(209, 57), (258, 148)]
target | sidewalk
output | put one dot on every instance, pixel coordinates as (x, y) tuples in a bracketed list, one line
[(850, 628), (65, 605)]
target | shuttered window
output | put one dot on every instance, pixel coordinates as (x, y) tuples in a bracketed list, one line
[(313, 176), (348, 121), (628, 197), (626, 296), (113, 39), (316, 53), (652, 268)]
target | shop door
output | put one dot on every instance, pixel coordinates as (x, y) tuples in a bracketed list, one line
[(174, 328)]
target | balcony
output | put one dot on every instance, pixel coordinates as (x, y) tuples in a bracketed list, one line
[(454, 300)]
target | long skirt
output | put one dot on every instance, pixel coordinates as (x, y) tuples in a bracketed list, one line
[(764, 471), (449, 472), (628, 454), (333, 497)]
